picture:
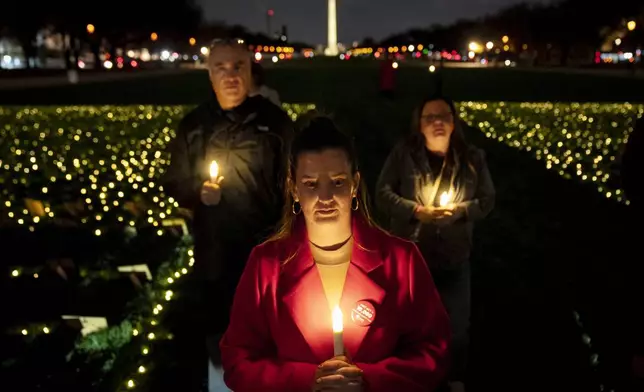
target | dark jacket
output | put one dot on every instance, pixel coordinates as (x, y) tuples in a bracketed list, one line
[(249, 143), (406, 181)]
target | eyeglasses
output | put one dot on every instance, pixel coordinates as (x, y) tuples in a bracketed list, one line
[(226, 42), (444, 117)]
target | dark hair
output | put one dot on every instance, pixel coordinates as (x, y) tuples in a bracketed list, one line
[(458, 145), (257, 72), (317, 133), (457, 140)]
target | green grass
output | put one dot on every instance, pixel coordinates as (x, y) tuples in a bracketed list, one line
[(326, 81)]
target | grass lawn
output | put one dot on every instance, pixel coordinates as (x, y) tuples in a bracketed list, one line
[(550, 246), (354, 82)]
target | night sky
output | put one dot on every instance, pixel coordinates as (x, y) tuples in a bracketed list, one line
[(357, 19)]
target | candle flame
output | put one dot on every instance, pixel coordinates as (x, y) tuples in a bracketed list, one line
[(445, 199), (214, 170), (337, 319)]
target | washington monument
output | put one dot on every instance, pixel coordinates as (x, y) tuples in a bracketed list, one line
[(332, 44)]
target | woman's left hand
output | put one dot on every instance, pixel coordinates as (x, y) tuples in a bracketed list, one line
[(457, 212), (346, 378)]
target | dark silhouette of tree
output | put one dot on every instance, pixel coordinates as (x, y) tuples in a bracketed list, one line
[(119, 22), (569, 27)]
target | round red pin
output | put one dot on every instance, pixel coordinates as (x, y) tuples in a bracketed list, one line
[(363, 313)]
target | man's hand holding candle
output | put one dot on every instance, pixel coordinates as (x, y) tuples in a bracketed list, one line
[(211, 189)]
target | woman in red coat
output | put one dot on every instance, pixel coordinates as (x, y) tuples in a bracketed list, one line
[(328, 254)]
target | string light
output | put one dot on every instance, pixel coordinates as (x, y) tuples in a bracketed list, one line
[(578, 141), (113, 173)]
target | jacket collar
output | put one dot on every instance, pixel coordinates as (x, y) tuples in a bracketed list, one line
[(365, 254), (244, 113), (302, 292)]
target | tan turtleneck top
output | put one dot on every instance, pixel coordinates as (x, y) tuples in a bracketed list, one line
[(332, 268)]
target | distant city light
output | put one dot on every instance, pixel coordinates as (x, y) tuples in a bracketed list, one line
[(342, 56), (91, 28), (507, 63), (618, 41), (475, 47), (489, 45), (471, 54), (165, 55), (411, 48), (394, 65), (108, 64), (192, 41), (631, 25), (204, 50), (432, 68), (154, 36), (134, 64), (505, 39), (275, 59), (258, 56), (506, 47)]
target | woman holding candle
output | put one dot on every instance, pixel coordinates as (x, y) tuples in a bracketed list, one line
[(330, 282), (432, 188)]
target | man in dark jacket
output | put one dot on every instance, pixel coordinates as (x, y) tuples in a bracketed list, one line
[(247, 137)]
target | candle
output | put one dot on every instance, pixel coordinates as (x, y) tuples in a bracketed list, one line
[(338, 344), (214, 171), (446, 198)]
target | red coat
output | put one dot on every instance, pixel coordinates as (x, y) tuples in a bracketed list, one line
[(281, 329)]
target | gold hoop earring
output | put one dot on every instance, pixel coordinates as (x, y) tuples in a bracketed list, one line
[(355, 204), (296, 207)]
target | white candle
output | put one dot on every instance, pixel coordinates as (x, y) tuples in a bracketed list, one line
[(445, 199), (338, 343), (214, 171)]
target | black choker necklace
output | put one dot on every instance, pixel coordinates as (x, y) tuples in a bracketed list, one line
[(332, 247)]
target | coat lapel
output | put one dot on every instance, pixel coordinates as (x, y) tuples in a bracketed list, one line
[(361, 284), (303, 294)]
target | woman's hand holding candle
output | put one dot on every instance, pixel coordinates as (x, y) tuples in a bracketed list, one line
[(431, 214), (338, 374)]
